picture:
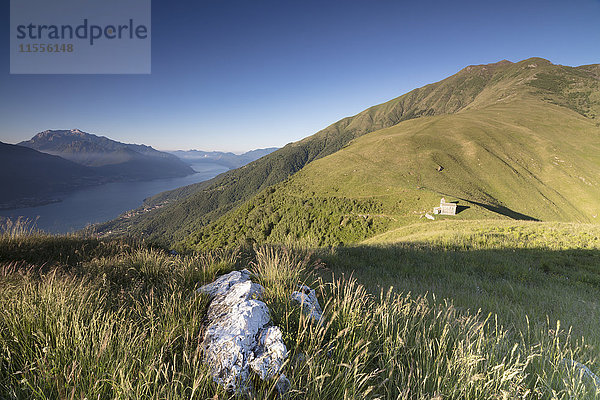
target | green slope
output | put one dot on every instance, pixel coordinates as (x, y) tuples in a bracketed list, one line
[(535, 82), (494, 234), (531, 154), (509, 268), (182, 211), (416, 326)]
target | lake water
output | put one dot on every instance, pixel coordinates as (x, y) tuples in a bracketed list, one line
[(105, 202)]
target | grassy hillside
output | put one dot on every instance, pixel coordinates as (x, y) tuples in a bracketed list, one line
[(512, 268), (517, 159), (531, 274), (495, 234), (89, 318), (189, 209)]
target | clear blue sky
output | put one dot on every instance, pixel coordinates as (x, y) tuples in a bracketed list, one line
[(239, 75)]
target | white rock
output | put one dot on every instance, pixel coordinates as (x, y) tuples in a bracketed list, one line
[(270, 354), (224, 282), (237, 294), (239, 337), (308, 301), (229, 343)]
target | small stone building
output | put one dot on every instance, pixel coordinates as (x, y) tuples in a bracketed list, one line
[(445, 208)]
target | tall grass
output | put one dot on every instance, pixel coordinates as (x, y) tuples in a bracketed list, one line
[(130, 326), (513, 269), (395, 346), (124, 326), (18, 228)]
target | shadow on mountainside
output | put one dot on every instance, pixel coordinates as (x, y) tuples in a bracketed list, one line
[(460, 209), (503, 211), (497, 209)]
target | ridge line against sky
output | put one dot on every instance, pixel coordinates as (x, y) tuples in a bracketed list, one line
[(239, 75)]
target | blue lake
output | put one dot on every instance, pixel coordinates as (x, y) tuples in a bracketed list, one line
[(105, 202)]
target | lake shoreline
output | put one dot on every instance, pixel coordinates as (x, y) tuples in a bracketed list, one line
[(74, 210)]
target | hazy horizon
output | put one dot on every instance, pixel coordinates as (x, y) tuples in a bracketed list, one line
[(238, 152)]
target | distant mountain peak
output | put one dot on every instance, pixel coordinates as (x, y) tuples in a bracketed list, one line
[(507, 63), (80, 133), (538, 60), (51, 134), (227, 159), (125, 161), (485, 67)]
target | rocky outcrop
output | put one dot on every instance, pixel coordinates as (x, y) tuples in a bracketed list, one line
[(269, 357), (240, 339), (309, 303), (224, 282)]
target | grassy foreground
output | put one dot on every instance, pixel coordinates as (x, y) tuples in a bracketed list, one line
[(510, 268), (83, 318)]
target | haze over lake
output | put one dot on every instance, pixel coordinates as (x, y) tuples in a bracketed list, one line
[(105, 202)]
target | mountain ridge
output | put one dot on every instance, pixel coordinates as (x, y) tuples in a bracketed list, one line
[(471, 89), (116, 160), (228, 159), (507, 161)]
